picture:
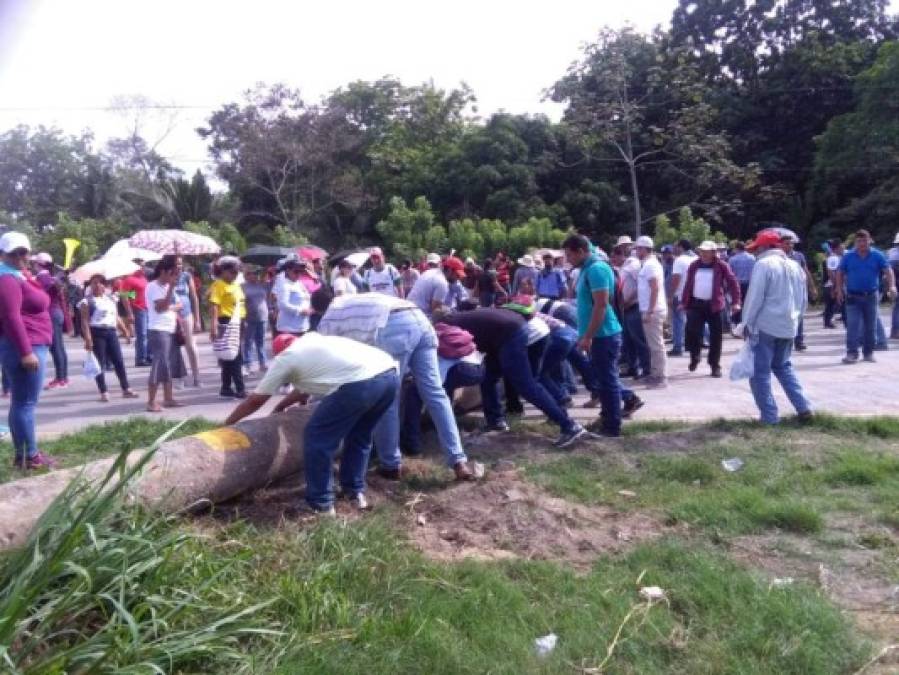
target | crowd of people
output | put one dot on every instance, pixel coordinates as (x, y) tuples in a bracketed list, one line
[(374, 345)]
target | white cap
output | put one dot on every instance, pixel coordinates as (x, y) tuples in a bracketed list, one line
[(622, 240), (707, 245), (896, 240), (644, 242), (14, 240), (42, 258), (433, 259), (526, 260)]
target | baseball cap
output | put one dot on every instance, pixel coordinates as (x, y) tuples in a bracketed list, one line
[(768, 238), (14, 240), (455, 265), (42, 258), (376, 250), (644, 242), (282, 342), (433, 259)]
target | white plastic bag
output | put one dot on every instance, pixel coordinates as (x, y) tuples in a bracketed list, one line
[(743, 366), (91, 367)]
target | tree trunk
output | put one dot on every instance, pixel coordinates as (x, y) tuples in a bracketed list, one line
[(635, 191)]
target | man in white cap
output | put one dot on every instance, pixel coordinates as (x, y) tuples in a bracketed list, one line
[(383, 277), (634, 351), (525, 274), (653, 310), (708, 280)]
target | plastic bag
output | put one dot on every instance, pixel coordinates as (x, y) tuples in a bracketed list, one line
[(91, 367), (743, 366)]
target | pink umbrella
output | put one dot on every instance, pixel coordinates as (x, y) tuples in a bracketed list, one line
[(311, 252), (174, 242)]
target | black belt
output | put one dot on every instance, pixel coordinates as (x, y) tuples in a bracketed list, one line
[(861, 293)]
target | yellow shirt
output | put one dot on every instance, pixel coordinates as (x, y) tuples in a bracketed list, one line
[(227, 296)]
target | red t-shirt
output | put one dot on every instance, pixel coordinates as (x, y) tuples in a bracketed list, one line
[(136, 287)]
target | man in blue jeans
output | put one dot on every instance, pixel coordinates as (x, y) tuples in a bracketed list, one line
[(357, 384), (502, 335), (858, 282), (598, 328), (771, 312), (401, 329)]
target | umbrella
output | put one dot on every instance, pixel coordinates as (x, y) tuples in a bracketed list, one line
[(359, 258), (311, 252), (174, 242), (109, 268), (783, 232), (122, 249), (261, 254)]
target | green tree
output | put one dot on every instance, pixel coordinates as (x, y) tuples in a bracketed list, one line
[(412, 232), (192, 199), (688, 227)]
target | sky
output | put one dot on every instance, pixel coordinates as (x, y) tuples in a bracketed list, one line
[(63, 62)]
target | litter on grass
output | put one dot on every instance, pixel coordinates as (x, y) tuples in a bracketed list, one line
[(544, 645), (733, 464), (652, 593)]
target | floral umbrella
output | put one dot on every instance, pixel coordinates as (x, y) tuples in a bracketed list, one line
[(122, 249), (109, 268), (175, 242), (311, 252)]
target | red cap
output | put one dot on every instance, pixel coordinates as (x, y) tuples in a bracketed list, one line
[(768, 238), (282, 342), (455, 265)]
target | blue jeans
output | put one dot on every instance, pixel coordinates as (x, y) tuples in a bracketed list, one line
[(678, 328), (409, 338), (25, 389), (462, 374), (638, 351), (349, 415), (772, 355), (512, 363), (141, 356), (604, 354), (254, 338), (861, 323), (58, 346), (561, 353), (880, 337), (800, 333)]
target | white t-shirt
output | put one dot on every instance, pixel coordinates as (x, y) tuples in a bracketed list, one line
[(833, 264), (105, 311), (537, 330), (384, 281), (652, 269), (431, 286), (321, 364), (681, 263), (343, 286), (293, 298), (164, 321), (703, 283)]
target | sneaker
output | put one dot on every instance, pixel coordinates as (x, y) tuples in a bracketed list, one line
[(240, 394), (850, 358), (655, 382), (675, 352), (463, 471), (694, 364), (63, 384), (104, 397), (801, 347), (52, 384), (501, 425), (716, 372), (805, 417), (358, 501), (566, 438), (38, 461), (594, 402), (631, 406), (567, 403), (869, 358), (324, 511), (391, 473), (226, 393)]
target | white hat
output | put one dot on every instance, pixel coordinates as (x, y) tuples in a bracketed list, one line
[(469, 261), (433, 259), (644, 242), (896, 240), (526, 260), (622, 240), (13, 240), (42, 258), (707, 245)]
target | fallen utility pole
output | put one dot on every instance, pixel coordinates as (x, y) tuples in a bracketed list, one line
[(209, 467)]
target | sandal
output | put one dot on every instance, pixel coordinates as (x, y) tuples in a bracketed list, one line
[(154, 409), (173, 404), (129, 394)]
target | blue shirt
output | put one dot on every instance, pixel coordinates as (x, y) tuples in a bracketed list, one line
[(551, 283), (596, 275), (863, 274), (742, 264)]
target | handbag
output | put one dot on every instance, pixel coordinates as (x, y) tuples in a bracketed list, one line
[(180, 340), (226, 346)]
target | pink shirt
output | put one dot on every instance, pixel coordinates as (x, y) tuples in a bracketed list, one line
[(24, 314)]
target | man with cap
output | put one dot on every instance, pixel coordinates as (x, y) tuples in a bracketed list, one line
[(43, 274), (788, 244), (431, 290), (551, 281), (776, 300), (858, 281), (357, 384), (383, 277), (634, 352), (399, 328), (684, 257), (653, 310), (707, 281), (525, 274)]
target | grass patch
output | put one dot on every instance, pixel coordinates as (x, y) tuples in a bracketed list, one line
[(103, 440), (856, 468), (651, 426), (354, 599)]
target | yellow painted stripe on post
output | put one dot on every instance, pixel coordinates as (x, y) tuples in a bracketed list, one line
[(225, 439)]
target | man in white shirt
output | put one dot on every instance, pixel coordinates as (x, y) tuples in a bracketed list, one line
[(653, 310), (431, 290), (383, 277), (634, 351), (357, 383), (685, 257), (775, 303)]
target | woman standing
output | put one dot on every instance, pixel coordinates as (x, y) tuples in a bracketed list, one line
[(188, 316), (343, 284), (228, 304), (162, 322), (255, 293), (294, 306), (25, 336), (99, 325)]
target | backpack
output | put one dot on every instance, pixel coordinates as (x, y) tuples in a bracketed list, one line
[(453, 342)]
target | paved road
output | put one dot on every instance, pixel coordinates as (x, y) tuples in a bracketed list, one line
[(862, 389)]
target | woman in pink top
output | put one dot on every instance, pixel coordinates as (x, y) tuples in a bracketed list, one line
[(25, 336)]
